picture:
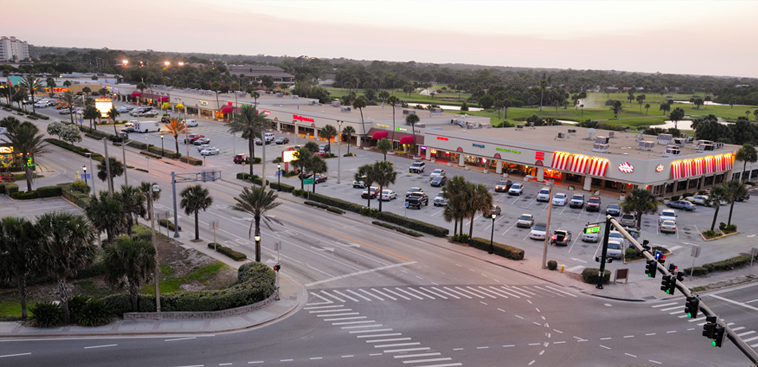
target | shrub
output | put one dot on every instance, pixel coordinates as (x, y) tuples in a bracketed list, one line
[(78, 186), (167, 223), (241, 175), (335, 210), (94, 313), (277, 160), (709, 234), (724, 265), (151, 155), (590, 275), (461, 238), (399, 229), (282, 187), (687, 194), (413, 224), (24, 195), (8, 188), (137, 144), (349, 155), (78, 198), (552, 265), (298, 192), (161, 152), (342, 204), (49, 191), (675, 198), (75, 305), (78, 150), (46, 314), (238, 256), (192, 161), (500, 249), (369, 212)]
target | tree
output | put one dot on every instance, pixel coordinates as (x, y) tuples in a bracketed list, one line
[(755, 114), (543, 85), (107, 214), (676, 115), (251, 124), (647, 108), (141, 87), (392, 101), (717, 195), (302, 161), (130, 261), (412, 119), (481, 202), (112, 114), (360, 103), (348, 132), (383, 96), (67, 242), (51, 84), (706, 100), (19, 96), (641, 100), (133, 202), (116, 166), (255, 96), (27, 141), (256, 201), (328, 132), (616, 108), (69, 99), (384, 146), (639, 202), (146, 188), (91, 113), (54, 128), (86, 91), (70, 134), (384, 175), (19, 254), (698, 102), (455, 191), (32, 85), (486, 102), (10, 123), (665, 107), (366, 174), (67, 84), (176, 128), (194, 199), (746, 154), (735, 190)]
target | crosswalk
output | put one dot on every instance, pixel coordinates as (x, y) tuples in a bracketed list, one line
[(434, 292), (677, 309)]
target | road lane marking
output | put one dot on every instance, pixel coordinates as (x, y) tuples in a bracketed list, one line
[(746, 333), (344, 318), (664, 305), (371, 294), (334, 310), (102, 346), (359, 295), (358, 273), (631, 355), (656, 362), (361, 326), (368, 331), (456, 292), (733, 302), (387, 340), (396, 345), (397, 294), (339, 314), (418, 355), (408, 293), (353, 322), (177, 339), (603, 346), (15, 355), (406, 350), (388, 296), (378, 335)]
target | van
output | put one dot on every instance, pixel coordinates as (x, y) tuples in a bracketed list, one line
[(269, 137), (129, 126), (147, 126)]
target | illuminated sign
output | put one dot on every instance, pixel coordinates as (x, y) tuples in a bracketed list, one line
[(401, 129), (441, 138), (383, 125), (288, 156), (626, 167), (508, 150), (267, 112), (539, 156), (204, 103), (478, 145), (659, 168), (103, 105), (6, 150), (595, 229), (301, 118)]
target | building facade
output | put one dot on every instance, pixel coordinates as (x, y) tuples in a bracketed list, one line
[(13, 49)]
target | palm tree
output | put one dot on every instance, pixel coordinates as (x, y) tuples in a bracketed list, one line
[(302, 162), (647, 108), (616, 108), (116, 166), (10, 123), (735, 190), (107, 214), (141, 87), (384, 96), (384, 175), (133, 201), (665, 107), (69, 99), (392, 101), (717, 195), (112, 114), (412, 119), (543, 85), (481, 202), (384, 146), (145, 188), (348, 132), (317, 165), (255, 96), (455, 192), (327, 132), (366, 174), (360, 103), (256, 201), (26, 141), (676, 115), (86, 91), (746, 154), (194, 199), (176, 128), (33, 85), (50, 84), (91, 113), (251, 124), (67, 84), (639, 202), (19, 96), (67, 242), (129, 262), (20, 254)]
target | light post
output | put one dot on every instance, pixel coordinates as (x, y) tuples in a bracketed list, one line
[(155, 188), (279, 177), (547, 227), (492, 235), (339, 151), (163, 153), (257, 246), (84, 168), (90, 168)]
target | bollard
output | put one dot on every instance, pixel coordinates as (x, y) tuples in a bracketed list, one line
[(562, 266)]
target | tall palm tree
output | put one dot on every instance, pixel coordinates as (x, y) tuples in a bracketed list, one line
[(317, 165), (194, 199), (116, 166), (348, 132), (360, 103), (86, 91), (392, 101), (133, 201), (141, 87), (26, 141), (676, 115), (385, 175), (616, 108), (302, 163), (384, 146), (69, 99), (112, 114), (735, 190), (20, 95), (67, 242), (717, 195), (176, 128), (107, 214), (32, 84), (255, 96), (145, 188), (129, 262), (10, 123), (91, 113), (366, 174), (251, 124), (19, 254), (412, 119), (256, 201), (327, 132), (51, 84), (456, 194), (67, 84), (481, 202), (665, 107), (639, 202), (746, 154)]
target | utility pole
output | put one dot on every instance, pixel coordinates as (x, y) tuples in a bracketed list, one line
[(157, 268), (339, 151), (547, 227), (604, 253), (108, 166), (176, 219)]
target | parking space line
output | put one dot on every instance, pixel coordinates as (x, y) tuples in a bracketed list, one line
[(572, 243), (509, 228)]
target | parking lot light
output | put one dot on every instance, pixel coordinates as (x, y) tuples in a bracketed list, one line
[(492, 235), (279, 177)]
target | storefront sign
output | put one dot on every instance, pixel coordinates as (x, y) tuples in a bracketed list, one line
[(478, 145), (302, 119), (6, 150), (659, 168), (441, 138), (203, 103), (595, 229), (540, 156), (508, 150), (267, 112), (401, 129), (626, 167), (383, 125)]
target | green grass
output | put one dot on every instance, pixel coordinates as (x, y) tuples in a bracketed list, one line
[(170, 284), (10, 308), (448, 98)]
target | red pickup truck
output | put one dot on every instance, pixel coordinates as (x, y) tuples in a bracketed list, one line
[(192, 137)]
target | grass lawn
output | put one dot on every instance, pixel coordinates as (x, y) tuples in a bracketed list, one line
[(449, 97)]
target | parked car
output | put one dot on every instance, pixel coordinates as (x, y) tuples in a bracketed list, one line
[(593, 204), (192, 123), (667, 214), (544, 194), (258, 141), (516, 189), (151, 113), (417, 167), (282, 140), (615, 250), (436, 173), (417, 199), (202, 147), (192, 137), (412, 190), (560, 199), (370, 193), (561, 237), (590, 237), (744, 198), (681, 204), (439, 200), (628, 220), (613, 210), (320, 178), (503, 186), (538, 232), (322, 148), (439, 181), (495, 210), (240, 158), (201, 141), (65, 111), (525, 221), (698, 199), (209, 151), (388, 195), (123, 109), (617, 236), (359, 185), (668, 226), (577, 201)]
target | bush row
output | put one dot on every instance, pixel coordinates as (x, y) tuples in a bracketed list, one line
[(79, 199), (396, 228), (505, 251), (632, 253), (162, 152), (590, 275), (29, 114), (167, 223), (78, 150), (326, 207), (282, 187), (237, 256), (192, 161), (8, 188), (83, 311), (151, 155), (323, 199), (723, 265), (413, 224), (41, 192)]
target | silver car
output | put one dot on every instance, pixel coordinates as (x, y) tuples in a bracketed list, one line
[(525, 221), (439, 200)]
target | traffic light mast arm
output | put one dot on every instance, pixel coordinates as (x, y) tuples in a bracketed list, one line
[(738, 342)]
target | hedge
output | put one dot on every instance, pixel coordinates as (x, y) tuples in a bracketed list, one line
[(162, 152), (193, 161), (151, 155), (238, 256), (723, 265), (78, 198), (8, 188), (412, 224), (396, 228), (137, 144), (505, 251), (283, 187), (589, 275), (342, 204), (255, 283), (166, 222), (78, 150), (326, 207)]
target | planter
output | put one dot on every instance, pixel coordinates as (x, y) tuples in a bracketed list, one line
[(723, 235)]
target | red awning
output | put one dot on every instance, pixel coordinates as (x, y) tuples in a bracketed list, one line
[(162, 99), (380, 135), (396, 135), (136, 94), (226, 109), (406, 140)]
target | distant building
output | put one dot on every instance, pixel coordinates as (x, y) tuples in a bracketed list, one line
[(257, 71), (13, 49)]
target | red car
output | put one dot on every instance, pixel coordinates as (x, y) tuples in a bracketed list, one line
[(370, 193), (240, 158), (192, 137)]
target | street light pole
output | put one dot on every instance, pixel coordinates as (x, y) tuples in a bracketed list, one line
[(279, 177), (90, 168), (84, 168), (155, 188), (339, 151), (123, 151), (492, 235), (257, 247), (163, 152), (547, 227)]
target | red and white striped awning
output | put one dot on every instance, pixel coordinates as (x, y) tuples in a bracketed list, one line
[(708, 164), (560, 160), (687, 168), (676, 169), (597, 167), (698, 166), (718, 163), (579, 163), (728, 161)]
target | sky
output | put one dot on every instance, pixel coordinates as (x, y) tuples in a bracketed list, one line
[(680, 37)]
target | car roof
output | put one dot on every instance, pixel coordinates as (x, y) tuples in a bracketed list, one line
[(560, 193), (668, 211), (669, 221), (529, 215)]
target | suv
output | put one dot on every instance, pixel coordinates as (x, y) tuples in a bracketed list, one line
[(544, 195), (516, 189), (525, 221), (240, 158), (593, 204), (192, 137), (439, 200), (416, 199), (628, 220), (417, 167), (503, 186), (667, 214), (561, 237), (577, 201), (413, 190)]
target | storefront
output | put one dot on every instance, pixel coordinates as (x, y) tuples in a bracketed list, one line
[(10, 162)]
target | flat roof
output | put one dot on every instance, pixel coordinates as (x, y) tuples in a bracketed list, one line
[(623, 143), (377, 113)]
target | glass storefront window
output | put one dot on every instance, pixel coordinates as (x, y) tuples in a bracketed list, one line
[(709, 180), (694, 183), (719, 178), (681, 186)]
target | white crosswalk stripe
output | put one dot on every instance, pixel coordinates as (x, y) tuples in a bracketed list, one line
[(371, 294), (327, 298), (547, 290)]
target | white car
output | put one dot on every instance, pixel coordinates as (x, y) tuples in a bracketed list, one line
[(615, 249), (544, 194), (591, 237), (436, 172), (209, 151), (525, 221), (516, 189), (388, 195), (617, 236), (667, 214), (439, 200), (538, 232), (698, 199), (191, 123), (668, 226), (359, 185), (203, 147), (560, 199)]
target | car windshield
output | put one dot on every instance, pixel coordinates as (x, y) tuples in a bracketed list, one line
[(560, 196), (627, 216), (437, 171), (668, 223), (525, 217), (594, 200), (613, 206), (614, 245), (615, 235), (502, 183), (539, 227), (577, 197), (416, 164), (516, 186), (544, 191), (438, 178)]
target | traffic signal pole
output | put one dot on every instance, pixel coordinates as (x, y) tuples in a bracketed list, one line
[(604, 253), (730, 334)]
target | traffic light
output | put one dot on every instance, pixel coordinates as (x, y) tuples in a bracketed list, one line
[(660, 257), (651, 268), (277, 267), (680, 276), (709, 329), (645, 245), (672, 268), (691, 307), (718, 336), (668, 284)]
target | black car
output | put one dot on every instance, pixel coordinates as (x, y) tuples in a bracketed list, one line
[(282, 140), (439, 181), (503, 186), (416, 199)]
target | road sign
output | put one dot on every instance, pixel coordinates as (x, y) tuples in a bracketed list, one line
[(308, 181), (213, 224), (695, 251), (594, 229), (88, 176), (406, 204)]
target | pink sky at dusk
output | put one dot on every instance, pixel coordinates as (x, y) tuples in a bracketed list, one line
[(692, 37)]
